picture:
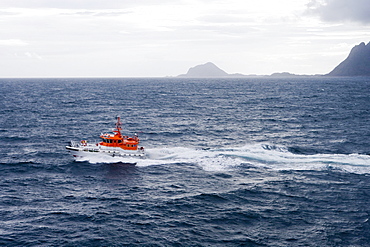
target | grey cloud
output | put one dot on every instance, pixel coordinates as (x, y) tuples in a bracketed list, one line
[(341, 10), (78, 4), (103, 13), (223, 18), (66, 4)]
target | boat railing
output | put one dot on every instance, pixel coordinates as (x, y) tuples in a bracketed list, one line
[(83, 143), (75, 144)]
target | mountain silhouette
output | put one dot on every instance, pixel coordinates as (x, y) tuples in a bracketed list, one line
[(205, 70), (356, 64)]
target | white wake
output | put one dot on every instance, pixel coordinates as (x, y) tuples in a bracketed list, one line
[(277, 158)]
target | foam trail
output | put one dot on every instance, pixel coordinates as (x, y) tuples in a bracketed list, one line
[(172, 155), (281, 159), (99, 158), (272, 157)]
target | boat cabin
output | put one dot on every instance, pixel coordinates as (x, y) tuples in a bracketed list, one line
[(124, 142), (117, 140)]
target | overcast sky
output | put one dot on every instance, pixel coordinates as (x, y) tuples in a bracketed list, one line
[(135, 38)]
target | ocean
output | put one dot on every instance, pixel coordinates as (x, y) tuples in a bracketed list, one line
[(231, 162)]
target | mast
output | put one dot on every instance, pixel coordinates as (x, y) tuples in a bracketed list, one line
[(118, 126)]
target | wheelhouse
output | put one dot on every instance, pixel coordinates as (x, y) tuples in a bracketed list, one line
[(117, 140)]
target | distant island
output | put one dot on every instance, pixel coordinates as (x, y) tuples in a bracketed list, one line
[(209, 70), (205, 70), (356, 64)]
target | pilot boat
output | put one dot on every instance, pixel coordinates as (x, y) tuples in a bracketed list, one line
[(113, 144)]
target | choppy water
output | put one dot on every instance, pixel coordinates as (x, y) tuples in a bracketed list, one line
[(231, 162)]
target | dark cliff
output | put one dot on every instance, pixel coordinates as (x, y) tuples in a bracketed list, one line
[(356, 64)]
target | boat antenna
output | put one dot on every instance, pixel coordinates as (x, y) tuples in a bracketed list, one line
[(119, 125)]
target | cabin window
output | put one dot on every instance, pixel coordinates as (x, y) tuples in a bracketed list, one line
[(119, 141)]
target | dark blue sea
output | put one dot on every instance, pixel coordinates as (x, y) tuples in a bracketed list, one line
[(231, 162)]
